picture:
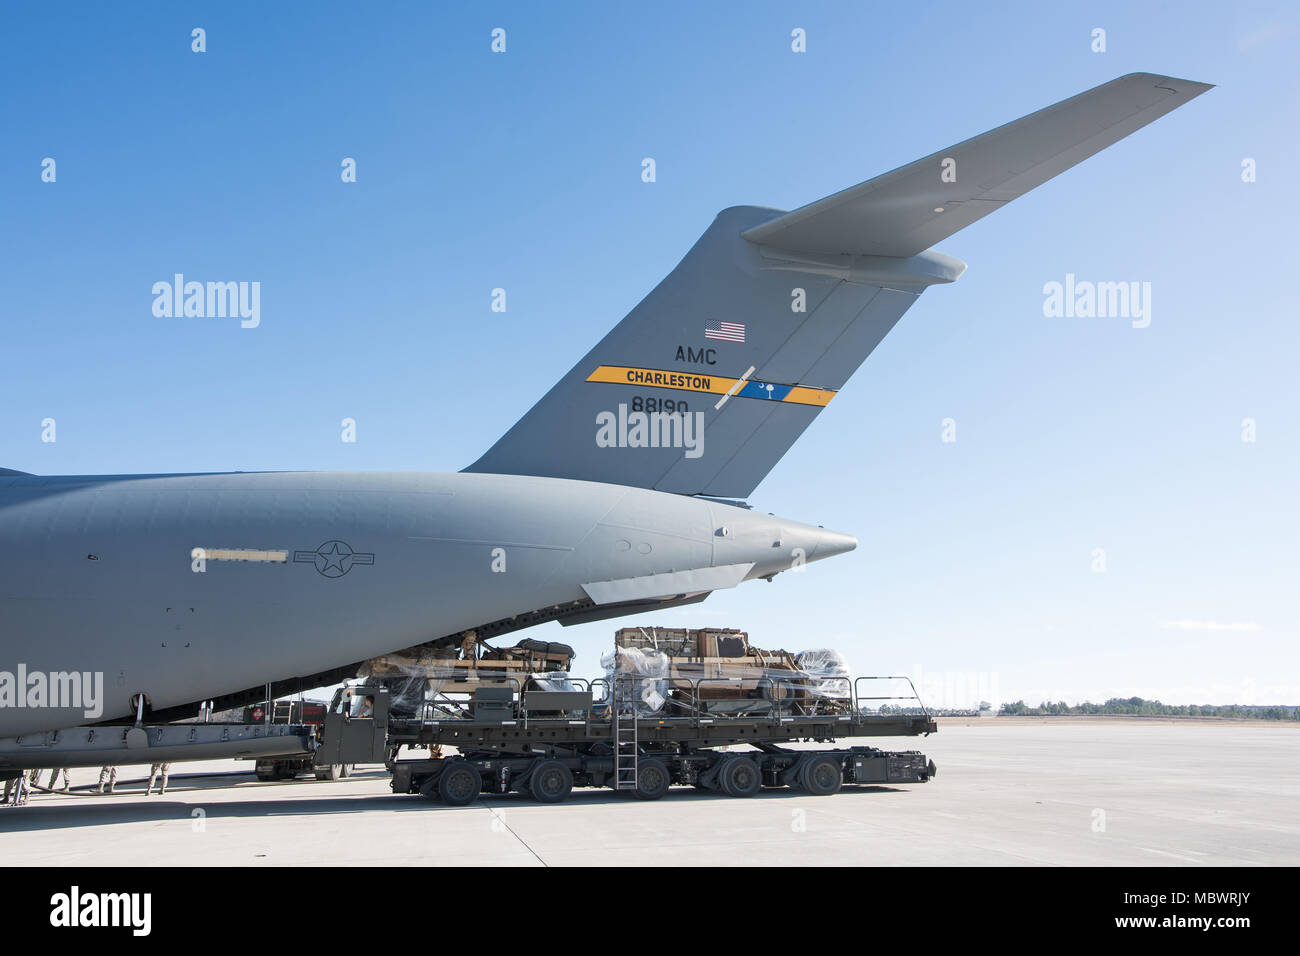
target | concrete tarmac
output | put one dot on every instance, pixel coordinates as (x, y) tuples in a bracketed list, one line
[(1013, 791)]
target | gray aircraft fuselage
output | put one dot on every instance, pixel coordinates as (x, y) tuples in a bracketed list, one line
[(299, 574), (98, 574)]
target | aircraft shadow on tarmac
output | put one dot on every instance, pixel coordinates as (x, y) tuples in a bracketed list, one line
[(160, 809)]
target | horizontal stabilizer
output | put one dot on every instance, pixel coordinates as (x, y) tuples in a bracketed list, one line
[(910, 209)]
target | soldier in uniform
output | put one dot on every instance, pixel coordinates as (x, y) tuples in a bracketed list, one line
[(154, 771), (110, 774), (14, 787)]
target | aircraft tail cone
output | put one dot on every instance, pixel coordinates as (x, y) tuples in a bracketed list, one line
[(831, 543)]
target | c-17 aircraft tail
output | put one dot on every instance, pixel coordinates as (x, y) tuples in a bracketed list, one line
[(706, 384)]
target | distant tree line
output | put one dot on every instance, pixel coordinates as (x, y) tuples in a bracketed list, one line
[(1151, 708)]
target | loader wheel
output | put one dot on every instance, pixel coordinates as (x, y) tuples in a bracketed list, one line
[(459, 784), (550, 782), (822, 776), (652, 779), (333, 771), (740, 777)]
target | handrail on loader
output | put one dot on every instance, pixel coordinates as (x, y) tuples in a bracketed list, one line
[(858, 698)]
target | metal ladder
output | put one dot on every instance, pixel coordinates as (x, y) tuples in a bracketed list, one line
[(626, 744)]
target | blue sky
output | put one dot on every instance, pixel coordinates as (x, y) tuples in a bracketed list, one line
[(522, 170)]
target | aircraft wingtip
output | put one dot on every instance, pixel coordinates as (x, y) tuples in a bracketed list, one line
[(1176, 84)]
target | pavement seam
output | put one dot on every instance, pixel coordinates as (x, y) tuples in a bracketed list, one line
[(522, 841)]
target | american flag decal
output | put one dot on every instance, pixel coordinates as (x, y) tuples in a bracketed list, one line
[(726, 332)]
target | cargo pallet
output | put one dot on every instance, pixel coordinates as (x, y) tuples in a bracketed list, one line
[(545, 743)]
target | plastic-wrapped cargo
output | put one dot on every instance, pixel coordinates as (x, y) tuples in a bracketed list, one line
[(412, 677), (652, 667), (553, 680), (680, 686), (716, 670), (414, 663), (673, 641), (828, 670), (781, 660), (415, 677), (704, 642)]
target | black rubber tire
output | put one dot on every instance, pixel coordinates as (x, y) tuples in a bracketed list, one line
[(740, 777), (550, 781), (459, 784), (652, 779), (822, 775)]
